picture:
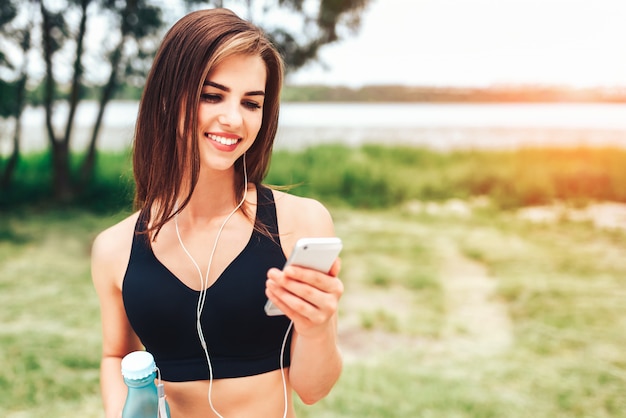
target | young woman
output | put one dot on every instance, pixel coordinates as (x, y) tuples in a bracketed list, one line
[(188, 275)]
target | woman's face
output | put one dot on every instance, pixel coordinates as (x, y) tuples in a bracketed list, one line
[(230, 111)]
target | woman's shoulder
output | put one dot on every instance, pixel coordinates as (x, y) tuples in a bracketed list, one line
[(118, 231), (302, 215), (111, 247), (298, 205)]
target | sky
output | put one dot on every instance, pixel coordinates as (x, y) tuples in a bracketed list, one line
[(575, 43)]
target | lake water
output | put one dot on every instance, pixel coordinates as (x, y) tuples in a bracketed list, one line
[(439, 126)]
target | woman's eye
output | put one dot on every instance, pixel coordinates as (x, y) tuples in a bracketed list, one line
[(252, 105), (211, 98)]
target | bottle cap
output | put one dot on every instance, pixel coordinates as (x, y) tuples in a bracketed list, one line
[(138, 365)]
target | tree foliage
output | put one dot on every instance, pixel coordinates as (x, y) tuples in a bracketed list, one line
[(299, 28), (56, 34)]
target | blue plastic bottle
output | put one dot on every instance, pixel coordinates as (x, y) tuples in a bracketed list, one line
[(139, 372)]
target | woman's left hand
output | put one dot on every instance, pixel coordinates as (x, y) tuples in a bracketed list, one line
[(308, 297)]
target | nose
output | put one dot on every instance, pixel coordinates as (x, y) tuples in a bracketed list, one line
[(230, 115)]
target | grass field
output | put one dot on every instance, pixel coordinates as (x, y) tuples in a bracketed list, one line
[(472, 313)]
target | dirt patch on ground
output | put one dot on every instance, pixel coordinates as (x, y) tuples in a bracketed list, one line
[(360, 344), (607, 215), (477, 323)]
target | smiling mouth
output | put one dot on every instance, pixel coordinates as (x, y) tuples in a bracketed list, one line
[(222, 140)]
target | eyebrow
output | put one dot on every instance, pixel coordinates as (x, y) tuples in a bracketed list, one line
[(227, 89)]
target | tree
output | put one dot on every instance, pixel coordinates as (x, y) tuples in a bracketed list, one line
[(134, 26), (134, 20), (12, 93), (137, 22), (299, 28)]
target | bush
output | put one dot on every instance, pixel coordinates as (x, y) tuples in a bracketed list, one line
[(376, 176)]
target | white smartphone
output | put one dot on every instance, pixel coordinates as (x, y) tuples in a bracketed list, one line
[(314, 253)]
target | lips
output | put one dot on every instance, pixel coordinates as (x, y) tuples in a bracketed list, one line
[(224, 140)]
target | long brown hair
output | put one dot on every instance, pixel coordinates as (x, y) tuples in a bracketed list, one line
[(164, 164)]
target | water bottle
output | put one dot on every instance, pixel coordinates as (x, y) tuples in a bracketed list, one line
[(144, 399)]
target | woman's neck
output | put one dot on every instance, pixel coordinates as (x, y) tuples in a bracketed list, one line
[(214, 196)]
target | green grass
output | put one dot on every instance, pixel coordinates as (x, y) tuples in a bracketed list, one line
[(376, 176), (563, 285), (564, 288), (49, 339)]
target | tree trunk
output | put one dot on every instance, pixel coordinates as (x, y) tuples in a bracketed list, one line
[(62, 185), (78, 73), (20, 96), (9, 169), (61, 178), (89, 162), (88, 165), (59, 151)]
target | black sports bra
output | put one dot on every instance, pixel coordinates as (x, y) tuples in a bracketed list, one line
[(241, 339)]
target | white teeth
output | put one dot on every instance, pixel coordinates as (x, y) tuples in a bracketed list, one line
[(222, 140)]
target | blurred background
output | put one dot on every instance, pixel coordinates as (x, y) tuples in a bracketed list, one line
[(437, 74), (472, 153)]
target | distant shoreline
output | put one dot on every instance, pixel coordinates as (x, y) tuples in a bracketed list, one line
[(428, 94), (315, 93)]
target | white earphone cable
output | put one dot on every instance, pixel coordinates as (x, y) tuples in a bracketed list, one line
[(203, 290)]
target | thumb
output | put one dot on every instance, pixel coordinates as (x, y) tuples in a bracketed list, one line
[(336, 267)]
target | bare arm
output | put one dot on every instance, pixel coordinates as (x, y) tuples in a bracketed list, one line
[(311, 300), (316, 361), (108, 262)]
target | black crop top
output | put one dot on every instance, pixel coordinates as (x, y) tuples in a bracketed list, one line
[(241, 339)]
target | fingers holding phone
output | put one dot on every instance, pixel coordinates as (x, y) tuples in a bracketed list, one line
[(294, 293), (307, 290)]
